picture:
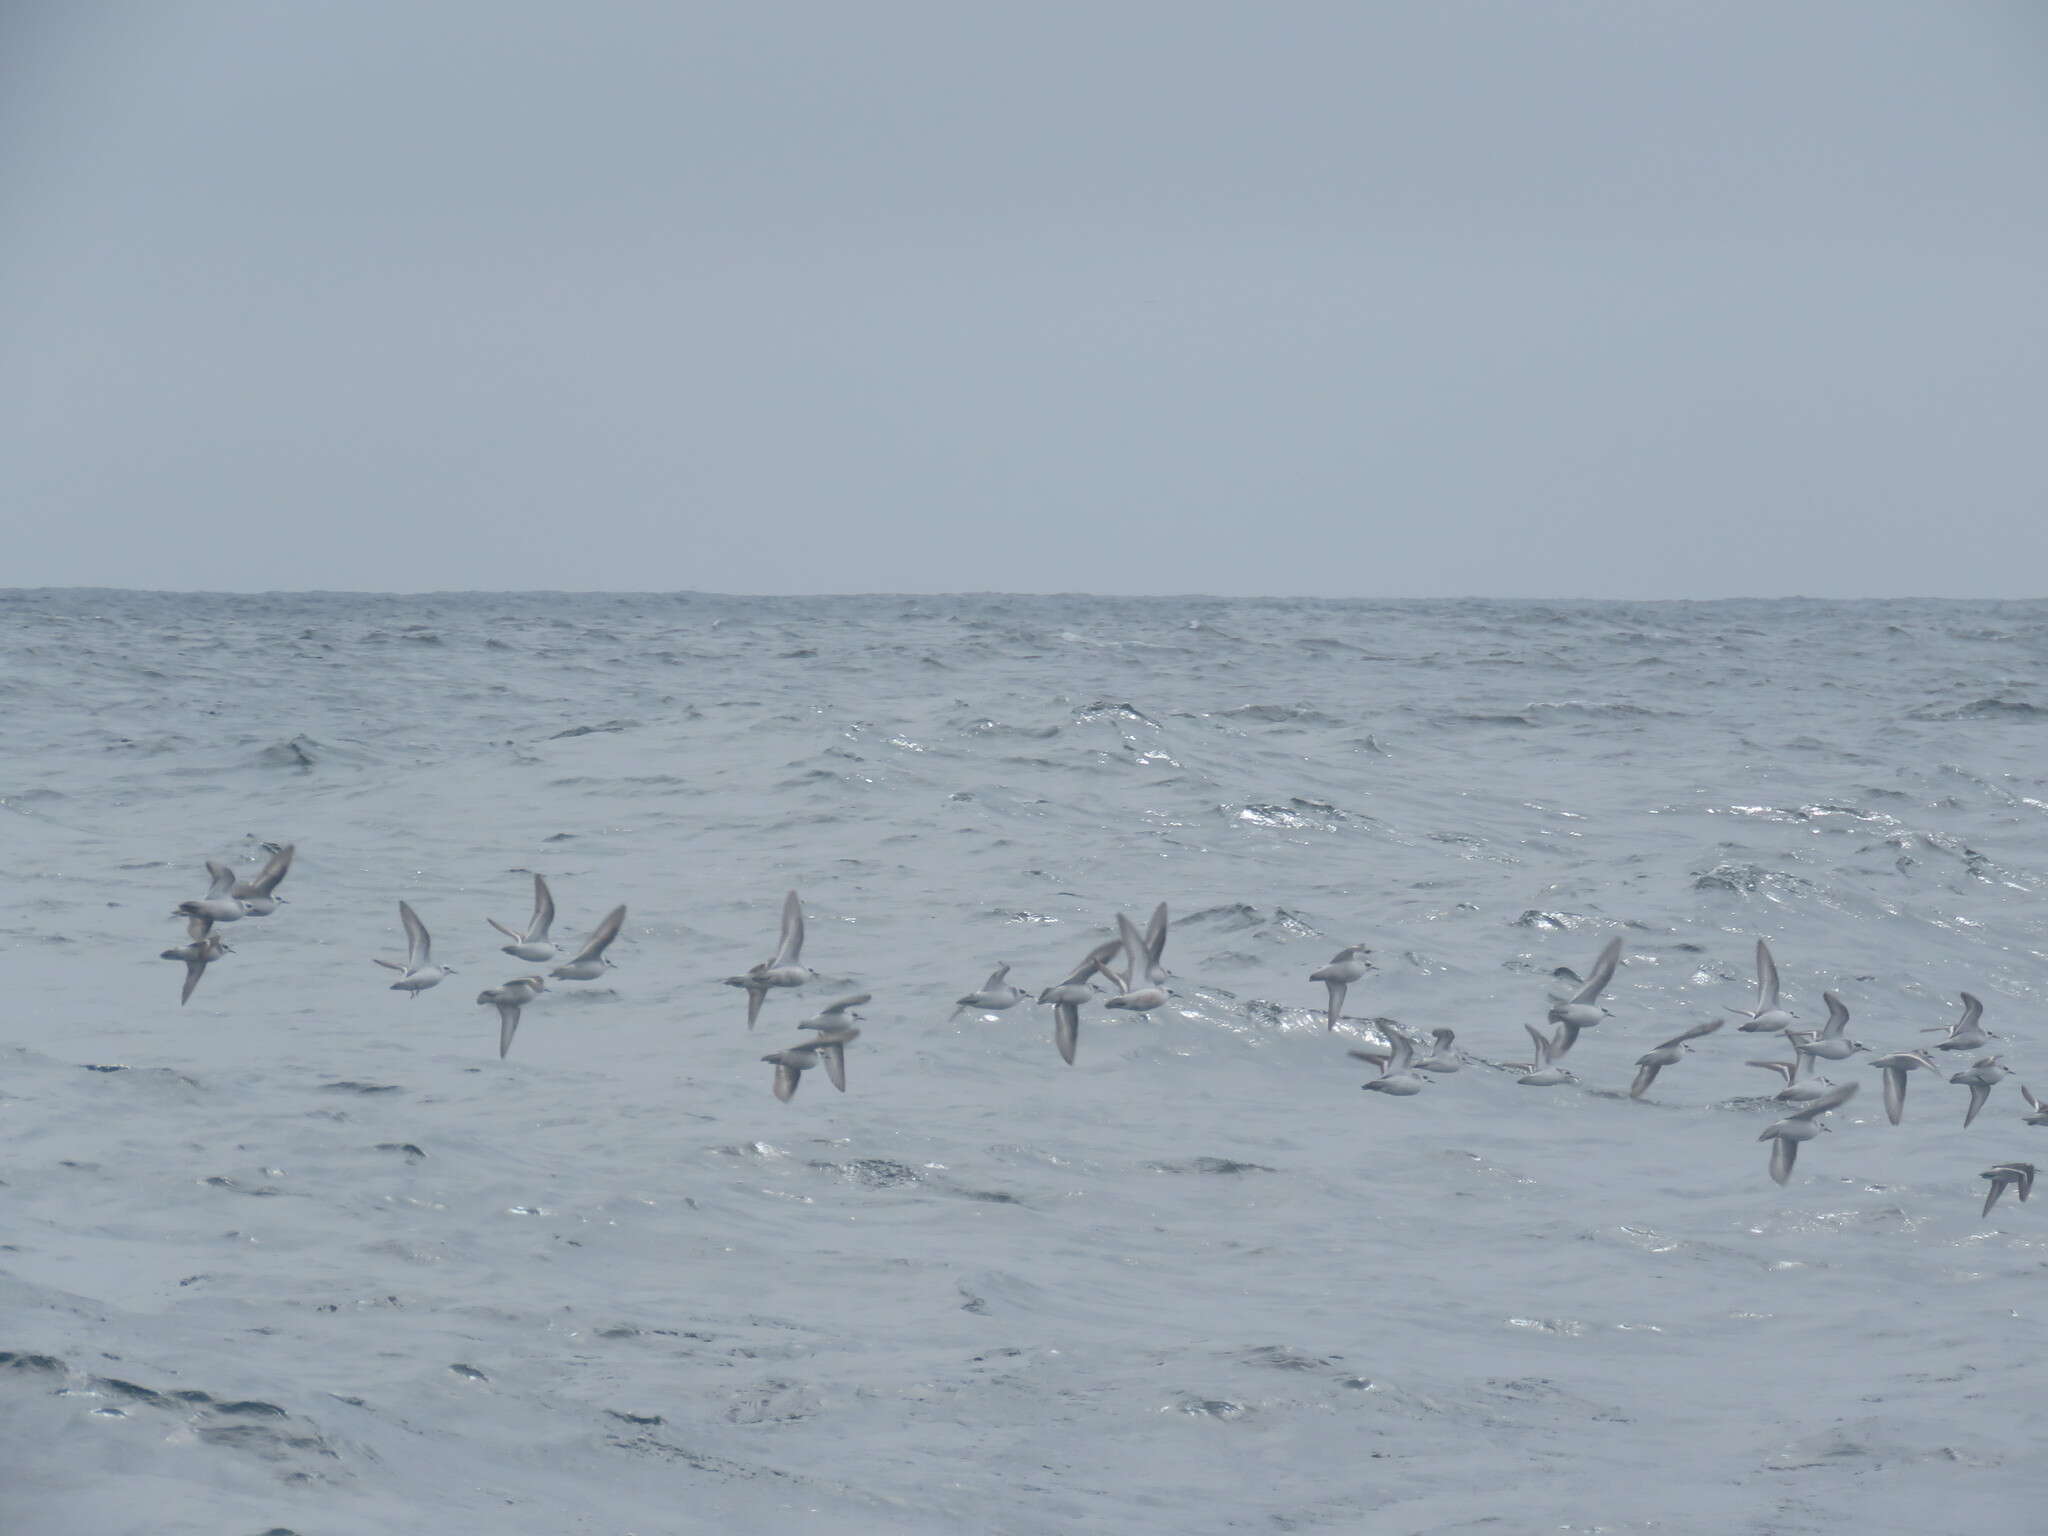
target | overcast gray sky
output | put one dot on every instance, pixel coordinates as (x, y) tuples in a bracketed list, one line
[(1611, 299)]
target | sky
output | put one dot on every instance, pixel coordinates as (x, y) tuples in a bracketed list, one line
[(1610, 300)]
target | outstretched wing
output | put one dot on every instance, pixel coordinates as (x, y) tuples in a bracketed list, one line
[(1838, 1017), (1602, 973), (602, 935), (1766, 978), (279, 866), (1834, 1098), (790, 950), (418, 946), (1698, 1031), (222, 877), (1155, 942), (543, 911)]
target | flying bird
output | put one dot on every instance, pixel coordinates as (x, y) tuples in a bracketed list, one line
[(509, 999), (1895, 1067), (258, 894), (785, 970), (419, 971), (1650, 1063), (589, 963), (996, 995), (1582, 1010), (1767, 1017), (205, 947), (532, 944), (1345, 967), (1801, 1125)]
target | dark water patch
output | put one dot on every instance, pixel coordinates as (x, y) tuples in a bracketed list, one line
[(351, 1086), (873, 1172), (607, 728), (1216, 1165), (1993, 708), (1752, 880)]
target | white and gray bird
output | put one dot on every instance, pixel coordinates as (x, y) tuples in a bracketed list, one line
[(258, 894), (2038, 1112), (1650, 1063), (1794, 1091), (995, 995), (785, 970), (419, 971), (1981, 1076), (791, 1063), (1142, 986), (1345, 967), (509, 998), (1582, 1009), (1397, 1072), (2018, 1177), (1829, 1043), (533, 943), (1801, 1125), (589, 963), (1068, 997), (1767, 1017), (1966, 1034), (1443, 1054), (219, 904), (832, 1034), (1895, 1067), (1544, 1072), (205, 947)]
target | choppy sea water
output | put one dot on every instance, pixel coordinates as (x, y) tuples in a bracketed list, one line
[(306, 1256)]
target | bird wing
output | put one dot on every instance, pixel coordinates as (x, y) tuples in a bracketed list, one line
[(834, 1057), (1602, 973), (1766, 978), (1542, 1047), (279, 866), (1155, 944), (194, 969), (845, 1003), (543, 911), (790, 950), (508, 1026), (223, 880), (417, 944), (1696, 1032), (1784, 1153), (1979, 1092), (1894, 1093), (1066, 1029), (1834, 1098), (995, 978), (1838, 1017), (1136, 953), (1646, 1074), (602, 935)]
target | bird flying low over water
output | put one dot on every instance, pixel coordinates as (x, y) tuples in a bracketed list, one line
[(1397, 1072), (219, 904), (205, 947), (785, 970), (2018, 1177), (1829, 1043), (1895, 1067), (589, 962), (1981, 1076), (1142, 986), (995, 995), (1582, 1009), (1543, 1071), (258, 894), (1650, 1063), (1767, 1017), (1345, 967), (419, 971), (832, 1034), (532, 943), (1966, 1034), (1801, 1125), (509, 998), (791, 1063), (1068, 997)]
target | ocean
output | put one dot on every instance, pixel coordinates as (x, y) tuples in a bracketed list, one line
[(305, 1256)]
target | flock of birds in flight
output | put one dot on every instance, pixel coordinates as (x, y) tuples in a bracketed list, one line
[(1139, 986)]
